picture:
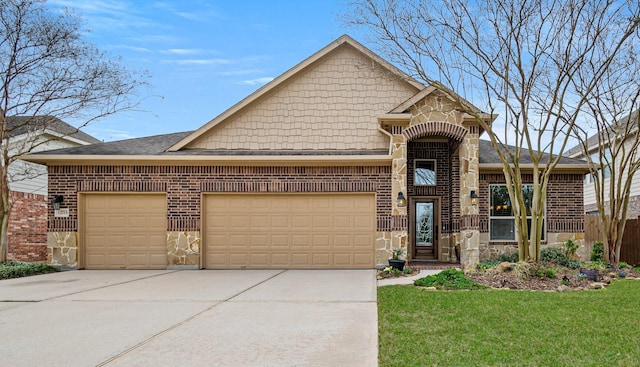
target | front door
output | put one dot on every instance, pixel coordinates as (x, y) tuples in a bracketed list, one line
[(425, 229)]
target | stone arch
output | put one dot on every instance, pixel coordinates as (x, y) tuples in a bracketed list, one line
[(435, 128)]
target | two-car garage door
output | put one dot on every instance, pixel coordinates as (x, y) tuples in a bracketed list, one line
[(128, 231), (289, 230)]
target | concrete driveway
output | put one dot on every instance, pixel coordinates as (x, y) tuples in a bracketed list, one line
[(190, 318)]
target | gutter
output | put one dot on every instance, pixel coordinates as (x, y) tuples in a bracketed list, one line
[(163, 160)]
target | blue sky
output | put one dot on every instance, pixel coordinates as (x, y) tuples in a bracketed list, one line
[(203, 56)]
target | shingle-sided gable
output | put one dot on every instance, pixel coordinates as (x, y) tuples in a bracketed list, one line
[(331, 104)]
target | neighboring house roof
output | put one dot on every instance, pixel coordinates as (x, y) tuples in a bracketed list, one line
[(592, 141), (20, 125)]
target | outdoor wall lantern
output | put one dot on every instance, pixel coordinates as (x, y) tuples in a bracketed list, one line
[(474, 197), (56, 201), (402, 201)]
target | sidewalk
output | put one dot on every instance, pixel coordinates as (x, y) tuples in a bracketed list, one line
[(407, 280)]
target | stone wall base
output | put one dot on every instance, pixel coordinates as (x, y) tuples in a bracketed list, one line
[(183, 248), (491, 251), (62, 249)]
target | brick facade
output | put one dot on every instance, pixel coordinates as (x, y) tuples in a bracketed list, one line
[(185, 184), (564, 212), (27, 232), (446, 183)]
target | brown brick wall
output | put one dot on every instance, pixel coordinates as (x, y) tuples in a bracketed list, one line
[(27, 232), (185, 184), (445, 180), (565, 212)]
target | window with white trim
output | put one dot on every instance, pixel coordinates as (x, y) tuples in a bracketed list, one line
[(501, 218)]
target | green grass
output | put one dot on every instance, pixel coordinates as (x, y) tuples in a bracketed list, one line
[(509, 328), (17, 269)]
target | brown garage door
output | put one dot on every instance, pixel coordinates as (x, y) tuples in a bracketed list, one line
[(289, 230), (124, 231)]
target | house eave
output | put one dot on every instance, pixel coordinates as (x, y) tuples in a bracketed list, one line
[(257, 160)]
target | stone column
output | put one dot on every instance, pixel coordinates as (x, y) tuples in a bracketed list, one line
[(399, 234), (469, 181)]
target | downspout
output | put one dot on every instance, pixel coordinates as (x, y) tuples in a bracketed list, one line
[(385, 132)]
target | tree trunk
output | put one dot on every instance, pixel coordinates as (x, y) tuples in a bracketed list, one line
[(4, 216)]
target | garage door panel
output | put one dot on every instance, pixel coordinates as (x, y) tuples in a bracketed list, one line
[(289, 230), (280, 241), (124, 231)]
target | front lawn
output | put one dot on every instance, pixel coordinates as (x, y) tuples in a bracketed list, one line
[(509, 328)]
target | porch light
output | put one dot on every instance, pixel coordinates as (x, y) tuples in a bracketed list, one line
[(56, 201), (474, 197), (402, 201)]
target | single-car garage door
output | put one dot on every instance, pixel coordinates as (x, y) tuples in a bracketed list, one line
[(124, 231), (289, 230)]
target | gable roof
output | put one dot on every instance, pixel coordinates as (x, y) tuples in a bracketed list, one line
[(275, 83), (20, 125), (593, 141)]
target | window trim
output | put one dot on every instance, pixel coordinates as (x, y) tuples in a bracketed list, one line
[(512, 217), (435, 172)]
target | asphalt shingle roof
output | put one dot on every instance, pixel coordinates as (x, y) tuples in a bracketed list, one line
[(18, 125), (488, 155), (158, 144)]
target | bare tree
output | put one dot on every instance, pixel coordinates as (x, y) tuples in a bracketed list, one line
[(612, 151), (517, 57), (48, 72)]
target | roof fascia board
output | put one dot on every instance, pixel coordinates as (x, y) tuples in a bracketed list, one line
[(583, 168), (154, 160)]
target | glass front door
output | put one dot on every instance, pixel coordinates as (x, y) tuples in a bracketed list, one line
[(425, 229)]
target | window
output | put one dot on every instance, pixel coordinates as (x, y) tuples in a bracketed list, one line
[(501, 219), (606, 157), (424, 173)]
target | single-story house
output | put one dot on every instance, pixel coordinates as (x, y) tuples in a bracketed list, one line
[(27, 227), (333, 164)]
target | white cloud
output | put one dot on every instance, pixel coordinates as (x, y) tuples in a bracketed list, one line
[(199, 61), (256, 81), (108, 134), (241, 72), (183, 51)]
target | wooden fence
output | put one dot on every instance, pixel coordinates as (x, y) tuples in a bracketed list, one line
[(630, 251)]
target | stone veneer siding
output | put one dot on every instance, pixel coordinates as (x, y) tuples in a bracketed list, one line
[(564, 213), (27, 232), (184, 186)]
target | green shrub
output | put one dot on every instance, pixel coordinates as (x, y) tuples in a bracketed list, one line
[(553, 255), (550, 273), (597, 265), (18, 269), (448, 279), (513, 258), (572, 264), (488, 264), (570, 249), (597, 253), (623, 265), (407, 270)]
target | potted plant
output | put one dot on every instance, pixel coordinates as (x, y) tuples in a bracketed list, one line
[(395, 260)]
